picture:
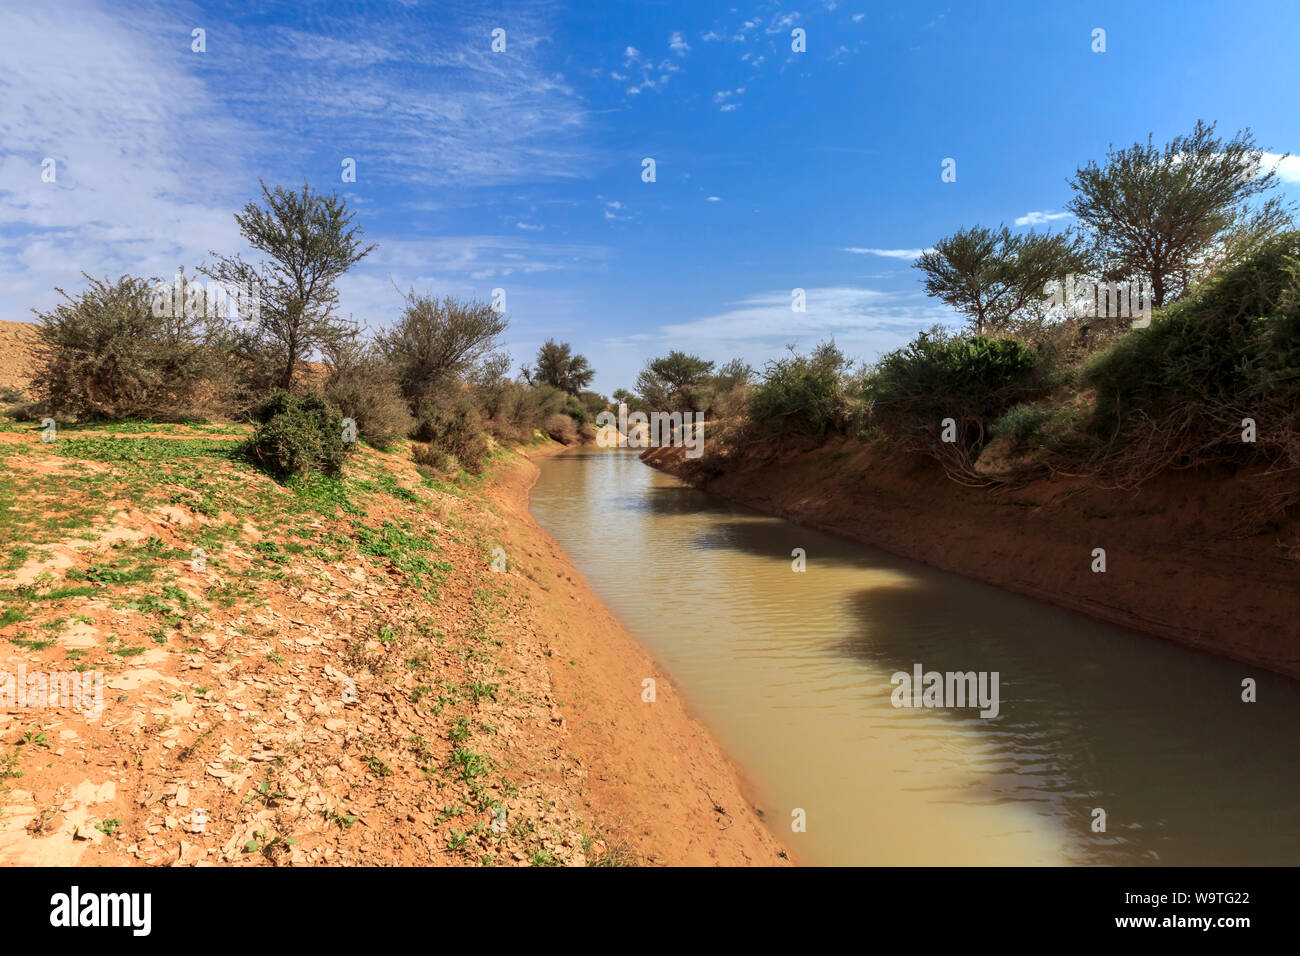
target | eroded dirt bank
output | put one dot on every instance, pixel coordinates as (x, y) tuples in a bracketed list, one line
[(1185, 559), (340, 677), (654, 774)]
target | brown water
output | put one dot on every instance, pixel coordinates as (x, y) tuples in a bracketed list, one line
[(791, 672)]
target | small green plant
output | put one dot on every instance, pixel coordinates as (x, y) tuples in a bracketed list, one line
[(299, 436), (342, 819), (265, 844), (265, 793), (470, 764)]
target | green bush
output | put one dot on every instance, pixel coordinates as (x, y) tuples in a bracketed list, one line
[(1176, 394), (1231, 340), (804, 392), (1023, 423), (972, 380), (299, 436)]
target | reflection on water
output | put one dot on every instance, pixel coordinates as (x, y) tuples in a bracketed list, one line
[(792, 673)]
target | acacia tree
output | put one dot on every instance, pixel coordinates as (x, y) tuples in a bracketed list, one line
[(1166, 214), (558, 367), (309, 242), (677, 380), (991, 275)]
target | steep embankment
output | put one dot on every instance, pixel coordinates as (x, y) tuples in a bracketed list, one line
[(17, 340), (1185, 559), (330, 673)]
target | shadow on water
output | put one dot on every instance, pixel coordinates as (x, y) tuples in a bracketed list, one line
[(1090, 716), (794, 669)]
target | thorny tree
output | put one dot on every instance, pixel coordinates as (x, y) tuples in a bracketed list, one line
[(310, 242)]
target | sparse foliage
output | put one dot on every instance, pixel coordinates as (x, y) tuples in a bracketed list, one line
[(309, 242), (1169, 215), (992, 275)]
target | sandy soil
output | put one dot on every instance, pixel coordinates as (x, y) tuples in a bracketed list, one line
[(1187, 559), (656, 773), (15, 354)]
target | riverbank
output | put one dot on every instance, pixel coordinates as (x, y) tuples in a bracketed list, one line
[(330, 673), (655, 773), (1180, 565)]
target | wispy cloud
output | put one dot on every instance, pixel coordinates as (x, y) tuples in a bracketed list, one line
[(677, 43), (1039, 218), (156, 145), (888, 253), (864, 322)]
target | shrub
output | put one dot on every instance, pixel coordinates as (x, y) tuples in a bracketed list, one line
[(1175, 394), (298, 436), (436, 342), (1022, 424), (105, 354), (427, 456), (1233, 337), (806, 393), (368, 395), (562, 428), (971, 380), (27, 411), (452, 424)]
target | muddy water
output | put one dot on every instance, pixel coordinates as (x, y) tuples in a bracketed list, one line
[(792, 673)]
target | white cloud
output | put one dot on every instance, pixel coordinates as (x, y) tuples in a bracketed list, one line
[(723, 96), (677, 43), (782, 24), (1039, 218), (713, 199), (863, 322), (612, 209), (157, 146), (1288, 168), (888, 253)]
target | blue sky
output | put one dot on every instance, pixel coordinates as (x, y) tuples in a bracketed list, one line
[(522, 169)]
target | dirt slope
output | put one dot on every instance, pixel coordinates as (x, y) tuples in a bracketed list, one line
[(15, 354), (343, 679), (1186, 558)]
